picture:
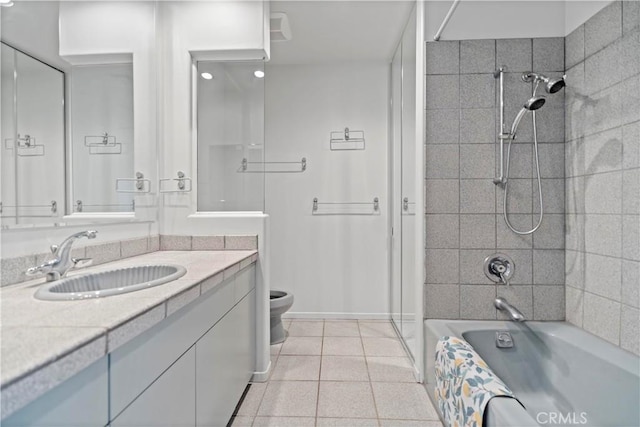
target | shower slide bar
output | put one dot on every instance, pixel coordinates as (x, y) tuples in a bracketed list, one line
[(499, 74), (246, 165), (52, 207), (346, 208), (446, 20)]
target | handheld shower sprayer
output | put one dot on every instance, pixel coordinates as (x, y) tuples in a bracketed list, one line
[(532, 104), (551, 85)]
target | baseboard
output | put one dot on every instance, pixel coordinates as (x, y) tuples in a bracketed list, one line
[(337, 316), (261, 377)]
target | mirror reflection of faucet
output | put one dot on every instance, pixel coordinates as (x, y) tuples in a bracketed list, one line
[(500, 268)]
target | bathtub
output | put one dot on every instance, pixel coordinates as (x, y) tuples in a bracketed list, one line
[(561, 374)]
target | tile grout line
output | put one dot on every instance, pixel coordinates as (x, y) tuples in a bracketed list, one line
[(366, 362), (315, 421)]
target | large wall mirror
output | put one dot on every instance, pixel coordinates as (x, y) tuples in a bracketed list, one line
[(33, 140), (101, 105), (230, 113), (78, 100)]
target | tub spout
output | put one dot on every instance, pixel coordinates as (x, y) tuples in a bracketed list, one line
[(513, 313)]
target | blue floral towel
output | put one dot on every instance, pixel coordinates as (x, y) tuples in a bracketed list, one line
[(464, 383)]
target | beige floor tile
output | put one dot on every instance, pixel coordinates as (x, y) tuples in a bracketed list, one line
[(408, 423), (377, 329), (284, 421), (342, 346), (344, 368), (347, 422), (403, 401), (345, 400), (252, 399), (383, 347), (390, 369), (305, 346), (289, 399), (241, 421), (341, 328), (296, 368), (275, 349), (306, 328)]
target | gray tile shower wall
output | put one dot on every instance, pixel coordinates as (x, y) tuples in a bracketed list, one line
[(464, 221), (603, 175)]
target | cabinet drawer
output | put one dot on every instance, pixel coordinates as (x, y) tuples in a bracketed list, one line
[(139, 362), (245, 282)]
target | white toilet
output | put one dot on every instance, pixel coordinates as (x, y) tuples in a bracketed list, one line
[(280, 302)]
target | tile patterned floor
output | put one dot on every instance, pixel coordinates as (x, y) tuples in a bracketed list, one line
[(346, 373)]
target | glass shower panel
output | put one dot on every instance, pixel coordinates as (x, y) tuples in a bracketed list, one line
[(230, 128), (408, 180), (395, 156)]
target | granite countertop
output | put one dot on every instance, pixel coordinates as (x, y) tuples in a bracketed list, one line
[(43, 343)]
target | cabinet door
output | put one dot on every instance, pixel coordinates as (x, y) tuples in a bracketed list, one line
[(224, 364), (82, 400), (168, 402)]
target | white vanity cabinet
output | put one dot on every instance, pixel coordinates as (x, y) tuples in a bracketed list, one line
[(169, 400), (224, 364), (192, 368), (81, 401), (188, 370)]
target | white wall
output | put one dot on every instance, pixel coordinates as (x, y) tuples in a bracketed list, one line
[(480, 19), (333, 265), (209, 30), (495, 19), (578, 12)]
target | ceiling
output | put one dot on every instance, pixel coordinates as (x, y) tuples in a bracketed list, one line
[(340, 31)]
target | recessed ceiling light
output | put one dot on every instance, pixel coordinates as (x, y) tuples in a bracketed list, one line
[(259, 74), (6, 3), (206, 76)]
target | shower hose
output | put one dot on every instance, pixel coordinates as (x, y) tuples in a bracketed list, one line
[(506, 184)]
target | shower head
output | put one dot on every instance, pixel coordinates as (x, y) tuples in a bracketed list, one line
[(532, 104), (550, 85)]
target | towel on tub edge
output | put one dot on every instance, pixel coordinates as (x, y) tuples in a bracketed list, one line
[(464, 383)]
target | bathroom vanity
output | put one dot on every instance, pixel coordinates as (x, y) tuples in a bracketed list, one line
[(181, 353)]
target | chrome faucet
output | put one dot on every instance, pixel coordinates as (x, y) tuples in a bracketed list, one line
[(58, 267), (513, 313)]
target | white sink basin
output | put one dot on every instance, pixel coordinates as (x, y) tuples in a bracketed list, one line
[(111, 282)]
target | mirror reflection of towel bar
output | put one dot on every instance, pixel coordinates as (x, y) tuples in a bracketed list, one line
[(141, 185), (183, 184), (245, 166), (346, 208), (52, 207)]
